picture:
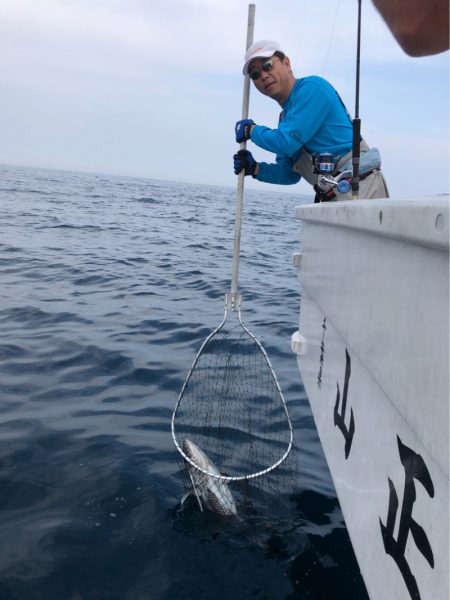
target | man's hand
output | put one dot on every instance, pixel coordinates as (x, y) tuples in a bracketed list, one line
[(243, 129), (244, 160)]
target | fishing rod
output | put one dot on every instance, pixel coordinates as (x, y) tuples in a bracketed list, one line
[(356, 149), (325, 162)]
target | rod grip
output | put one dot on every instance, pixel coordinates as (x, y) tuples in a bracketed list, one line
[(356, 151)]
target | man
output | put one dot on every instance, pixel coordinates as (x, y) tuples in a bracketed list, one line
[(420, 27), (313, 121)]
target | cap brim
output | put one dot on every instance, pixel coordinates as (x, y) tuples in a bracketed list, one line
[(261, 54)]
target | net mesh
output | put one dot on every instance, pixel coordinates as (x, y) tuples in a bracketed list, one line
[(232, 408)]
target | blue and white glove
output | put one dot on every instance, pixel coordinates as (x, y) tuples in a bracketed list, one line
[(244, 160), (243, 129)]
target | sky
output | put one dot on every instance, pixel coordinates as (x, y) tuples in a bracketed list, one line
[(153, 88)]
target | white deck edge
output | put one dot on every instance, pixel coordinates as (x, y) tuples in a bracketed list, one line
[(425, 224)]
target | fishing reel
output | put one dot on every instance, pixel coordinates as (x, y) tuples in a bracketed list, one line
[(325, 165), (342, 185)]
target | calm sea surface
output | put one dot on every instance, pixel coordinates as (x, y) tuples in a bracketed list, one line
[(108, 286)]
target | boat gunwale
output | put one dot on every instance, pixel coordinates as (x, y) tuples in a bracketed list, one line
[(423, 221)]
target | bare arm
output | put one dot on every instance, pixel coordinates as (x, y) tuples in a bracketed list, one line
[(421, 27)]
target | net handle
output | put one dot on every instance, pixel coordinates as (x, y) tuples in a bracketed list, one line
[(240, 185)]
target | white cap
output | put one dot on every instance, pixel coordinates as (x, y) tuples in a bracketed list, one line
[(261, 49)]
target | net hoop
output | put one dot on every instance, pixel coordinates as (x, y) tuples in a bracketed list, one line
[(229, 478)]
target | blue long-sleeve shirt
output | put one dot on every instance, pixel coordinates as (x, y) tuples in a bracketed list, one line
[(313, 118)]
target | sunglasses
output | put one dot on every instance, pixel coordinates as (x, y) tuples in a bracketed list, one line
[(255, 73)]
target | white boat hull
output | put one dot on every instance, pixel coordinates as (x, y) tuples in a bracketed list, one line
[(374, 314)]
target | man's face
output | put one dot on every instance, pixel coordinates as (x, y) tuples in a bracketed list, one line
[(275, 77)]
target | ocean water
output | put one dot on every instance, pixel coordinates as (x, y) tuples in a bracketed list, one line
[(108, 287)]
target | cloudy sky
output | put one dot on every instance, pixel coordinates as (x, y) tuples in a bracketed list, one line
[(152, 88)]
